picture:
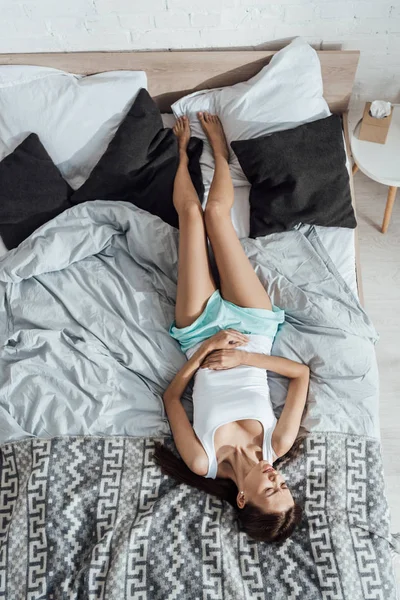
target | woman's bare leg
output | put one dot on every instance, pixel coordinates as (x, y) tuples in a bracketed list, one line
[(195, 280), (239, 282)]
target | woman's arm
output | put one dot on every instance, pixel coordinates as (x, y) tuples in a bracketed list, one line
[(277, 364), (185, 374), (188, 445), (287, 428)]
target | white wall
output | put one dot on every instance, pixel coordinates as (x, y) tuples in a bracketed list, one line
[(373, 27)]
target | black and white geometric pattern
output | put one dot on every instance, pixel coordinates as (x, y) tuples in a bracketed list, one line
[(94, 518), (9, 492)]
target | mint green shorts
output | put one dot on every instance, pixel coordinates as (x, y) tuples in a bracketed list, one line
[(220, 314)]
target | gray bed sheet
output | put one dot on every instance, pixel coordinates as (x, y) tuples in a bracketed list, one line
[(85, 307)]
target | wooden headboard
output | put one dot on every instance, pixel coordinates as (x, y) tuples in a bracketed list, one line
[(172, 75)]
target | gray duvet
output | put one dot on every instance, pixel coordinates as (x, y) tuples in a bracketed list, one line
[(85, 307)]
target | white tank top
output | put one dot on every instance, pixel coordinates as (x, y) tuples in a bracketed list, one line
[(221, 397)]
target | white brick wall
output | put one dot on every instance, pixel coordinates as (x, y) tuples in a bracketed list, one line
[(372, 26)]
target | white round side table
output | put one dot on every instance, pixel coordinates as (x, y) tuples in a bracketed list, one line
[(380, 162)]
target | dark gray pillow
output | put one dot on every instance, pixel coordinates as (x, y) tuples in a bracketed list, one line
[(140, 164), (32, 191), (297, 176)]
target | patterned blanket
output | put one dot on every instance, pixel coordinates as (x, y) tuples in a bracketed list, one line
[(94, 518)]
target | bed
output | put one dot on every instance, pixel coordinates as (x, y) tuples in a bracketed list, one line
[(85, 510)]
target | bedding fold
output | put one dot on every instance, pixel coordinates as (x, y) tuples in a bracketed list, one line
[(86, 303)]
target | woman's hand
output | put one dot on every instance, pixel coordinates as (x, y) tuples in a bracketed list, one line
[(223, 359), (225, 339)]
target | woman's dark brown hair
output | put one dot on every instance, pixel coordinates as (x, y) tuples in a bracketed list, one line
[(263, 527)]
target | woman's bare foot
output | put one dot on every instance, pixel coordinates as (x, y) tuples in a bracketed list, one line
[(182, 131), (213, 129)]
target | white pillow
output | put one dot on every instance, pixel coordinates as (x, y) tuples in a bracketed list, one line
[(75, 116), (284, 94)]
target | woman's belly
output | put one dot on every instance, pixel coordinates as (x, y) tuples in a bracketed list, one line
[(225, 396)]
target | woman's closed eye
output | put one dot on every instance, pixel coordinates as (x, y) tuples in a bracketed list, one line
[(270, 491)]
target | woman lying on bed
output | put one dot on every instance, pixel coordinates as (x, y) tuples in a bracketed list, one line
[(227, 336)]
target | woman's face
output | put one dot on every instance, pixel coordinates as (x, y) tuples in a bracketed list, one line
[(266, 488)]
